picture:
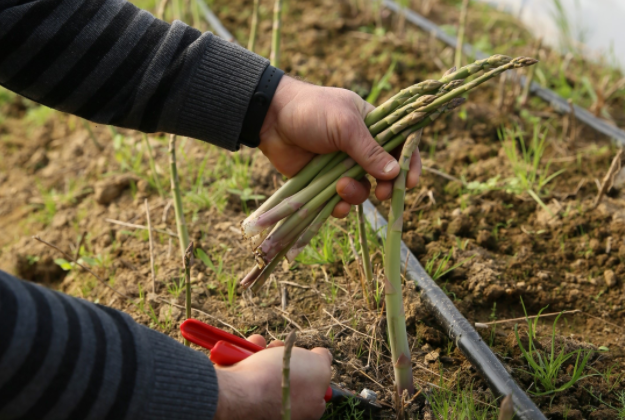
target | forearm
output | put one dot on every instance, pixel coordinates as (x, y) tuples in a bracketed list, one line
[(64, 358), (110, 62)]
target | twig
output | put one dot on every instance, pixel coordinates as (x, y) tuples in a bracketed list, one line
[(274, 57), (286, 375), (506, 412), (187, 260), (254, 28), (203, 313), (530, 73), (160, 13), (80, 242), (295, 324), (135, 226), (285, 298), (461, 30), (343, 325), (608, 179), (442, 174), (157, 182), (505, 321), (151, 239), (183, 234), (98, 278)]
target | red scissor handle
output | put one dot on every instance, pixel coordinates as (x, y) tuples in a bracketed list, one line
[(207, 336), (226, 349)]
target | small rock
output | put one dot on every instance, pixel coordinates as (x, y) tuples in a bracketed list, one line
[(432, 357), (610, 278), (460, 226), (485, 239), (493, 292), (415, 242), (109, 189), (169, 313), (543, 275), (595, 245)]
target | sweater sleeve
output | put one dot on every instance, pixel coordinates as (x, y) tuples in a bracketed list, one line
[(112, 63), (65, 358)]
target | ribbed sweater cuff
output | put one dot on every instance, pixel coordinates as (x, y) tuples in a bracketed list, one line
[(185, 383), (219, 93)]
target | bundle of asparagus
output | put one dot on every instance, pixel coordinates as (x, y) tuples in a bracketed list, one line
[(285, 223)]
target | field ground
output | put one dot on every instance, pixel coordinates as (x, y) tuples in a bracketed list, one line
[(503, 216)]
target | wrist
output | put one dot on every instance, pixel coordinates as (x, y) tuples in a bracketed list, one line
[(259, 105)]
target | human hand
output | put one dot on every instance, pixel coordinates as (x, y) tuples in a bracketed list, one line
[(304, 120), (252, 389)]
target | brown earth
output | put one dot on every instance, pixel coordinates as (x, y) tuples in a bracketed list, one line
[(55, 183)]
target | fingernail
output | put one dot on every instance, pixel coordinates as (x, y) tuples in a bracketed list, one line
[(390, 167)]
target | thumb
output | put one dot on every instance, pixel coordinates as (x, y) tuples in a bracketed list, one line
[(357, 142)]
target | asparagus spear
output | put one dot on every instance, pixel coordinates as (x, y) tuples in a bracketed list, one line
[(258, 276), (400, 350)]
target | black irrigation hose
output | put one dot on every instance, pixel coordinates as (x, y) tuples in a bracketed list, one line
[(556, 101), (458, 328), (215, 23), (443, 309)]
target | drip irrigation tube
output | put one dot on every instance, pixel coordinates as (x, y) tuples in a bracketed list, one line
[(215, 23), (443, 309), (556, 101), (458, 328)]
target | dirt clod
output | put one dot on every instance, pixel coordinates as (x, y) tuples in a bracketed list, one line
[(610, 278), (107, 190)]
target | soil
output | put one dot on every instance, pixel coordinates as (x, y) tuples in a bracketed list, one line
[(564, 254)]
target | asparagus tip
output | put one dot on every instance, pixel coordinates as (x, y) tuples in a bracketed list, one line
[(498, 60), (523, 62)]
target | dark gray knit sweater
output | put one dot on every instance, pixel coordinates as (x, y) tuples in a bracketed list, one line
[(110, 62), (65, 358)]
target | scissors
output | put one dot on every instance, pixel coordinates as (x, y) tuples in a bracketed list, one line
[(227, 349)]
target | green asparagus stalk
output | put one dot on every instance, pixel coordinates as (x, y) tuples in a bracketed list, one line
[(432, 85), (514, 64), (251, 44), (286, 375), (291, 187), (320, 163), (461, 29), (313, 229), (187, 260), (291, 204), (274, 57), (364, 248), (259, 276), (401, 98), (183, 234), (270, 248), (400, 112), (396, 319)]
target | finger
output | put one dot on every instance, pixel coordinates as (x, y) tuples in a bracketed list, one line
[(354, 138), (323, 352), (257, 339), (384, 190), (341, 210), (415, 170), (276, 343), (352, 191)]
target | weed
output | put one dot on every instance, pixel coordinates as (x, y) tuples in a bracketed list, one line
[(545, 368), (223, 277), (459, 405), (529, 174), (346, 410), (441, 269), (611, 378), (175, 288)]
